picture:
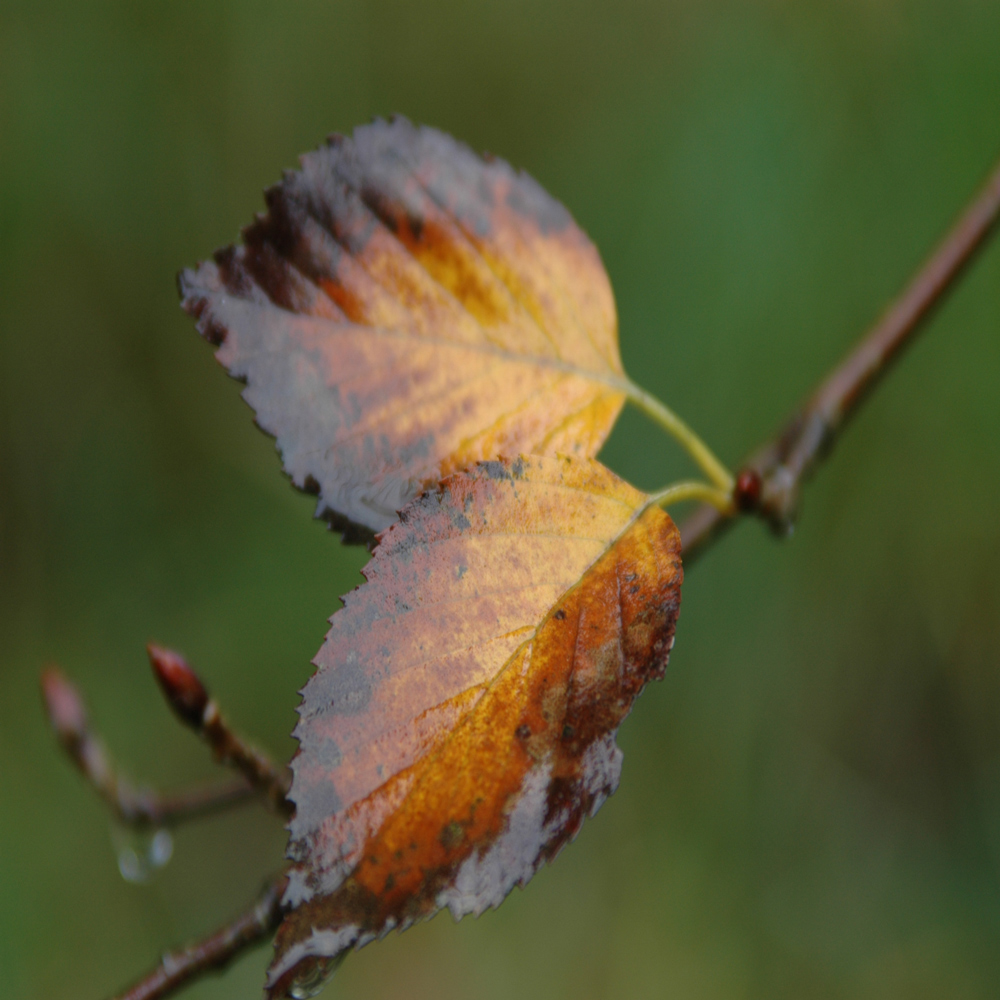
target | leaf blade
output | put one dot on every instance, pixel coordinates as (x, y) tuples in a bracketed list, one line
[(405, 308), (454, 798)]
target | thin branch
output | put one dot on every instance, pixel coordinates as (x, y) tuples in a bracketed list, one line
[(213, 953), (188, 697), (131, 804), (773, 475)]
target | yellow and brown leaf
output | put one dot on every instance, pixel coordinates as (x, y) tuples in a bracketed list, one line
[(405, 308), (462, 720)]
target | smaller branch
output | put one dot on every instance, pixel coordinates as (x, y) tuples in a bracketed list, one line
[(132, 805), (775, 473), (178, 968), (190, 700)]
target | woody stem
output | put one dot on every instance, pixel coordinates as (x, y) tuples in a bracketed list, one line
[(778, 468), (177, 969)]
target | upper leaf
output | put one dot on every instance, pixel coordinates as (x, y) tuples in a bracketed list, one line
[(461, 723), (405, 308)]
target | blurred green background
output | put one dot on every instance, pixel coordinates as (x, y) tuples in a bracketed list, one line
[(810, 804)]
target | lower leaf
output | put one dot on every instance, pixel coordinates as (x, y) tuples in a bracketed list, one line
[(564, 586)]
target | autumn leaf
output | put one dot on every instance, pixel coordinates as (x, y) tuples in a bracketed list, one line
[(462, 720), (406, 308)]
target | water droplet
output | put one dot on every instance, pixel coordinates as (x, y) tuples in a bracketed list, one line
[(311, 980), (141, 853)]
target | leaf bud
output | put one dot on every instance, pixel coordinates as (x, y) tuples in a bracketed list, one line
[(180, 684), (64, 706), (746, 494)]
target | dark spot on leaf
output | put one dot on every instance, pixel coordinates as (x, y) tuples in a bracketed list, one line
[(452, 835), (496, 470)]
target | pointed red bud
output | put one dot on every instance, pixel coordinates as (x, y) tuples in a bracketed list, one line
[(64, 705), (179, 683)]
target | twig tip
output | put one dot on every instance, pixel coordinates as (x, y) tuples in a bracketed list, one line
[(180, 684), (64, 705)]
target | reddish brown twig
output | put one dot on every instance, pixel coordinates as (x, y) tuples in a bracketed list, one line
[(213, 953), (188, 697), (777, 470), (132, 805)]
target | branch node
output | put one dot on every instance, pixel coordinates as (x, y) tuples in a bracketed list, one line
[(789, 458), (189, 698), (133, 806), (746, 493)]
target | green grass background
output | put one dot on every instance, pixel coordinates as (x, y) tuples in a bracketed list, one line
[(810, 804)]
